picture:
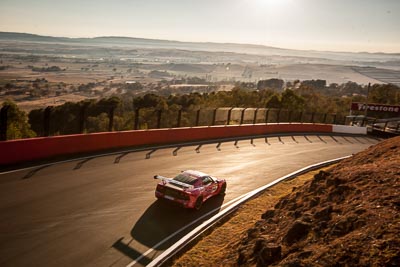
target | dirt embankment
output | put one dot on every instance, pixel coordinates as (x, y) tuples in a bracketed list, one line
[(347, 216)]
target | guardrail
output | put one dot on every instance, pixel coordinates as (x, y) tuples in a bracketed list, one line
[(22, 150), (33, 149)]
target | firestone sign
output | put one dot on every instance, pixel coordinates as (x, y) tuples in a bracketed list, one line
[(375, 107)]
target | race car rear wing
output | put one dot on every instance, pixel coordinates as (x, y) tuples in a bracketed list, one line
[(172, 181)]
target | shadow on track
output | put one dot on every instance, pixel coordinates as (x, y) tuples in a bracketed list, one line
[(34, 171), (81, 163), (322, 140), (161, 220), (118, 159)]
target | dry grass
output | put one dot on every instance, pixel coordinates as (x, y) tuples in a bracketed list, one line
[(219, 248)]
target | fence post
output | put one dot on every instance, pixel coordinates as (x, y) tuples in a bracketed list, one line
[(325, 118), (301, 117), (290, 116), (255, 116), (3, 122), (214, 116), (312, 117), (197, 117), (136, 123), (178, 123), (229, 116), (266, 116), (159, 113), (111, 119), (46, 121), (242, 116), (278, 116), (334, 118)]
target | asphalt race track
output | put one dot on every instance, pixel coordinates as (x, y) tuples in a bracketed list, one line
[(101, 211)]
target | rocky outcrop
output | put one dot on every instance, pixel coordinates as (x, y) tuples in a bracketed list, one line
[(347, 216)]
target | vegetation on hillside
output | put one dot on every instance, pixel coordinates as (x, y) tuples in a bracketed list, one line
[(152, 110)]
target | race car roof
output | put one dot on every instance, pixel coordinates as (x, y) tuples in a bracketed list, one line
[(196, 174), (189, 176)]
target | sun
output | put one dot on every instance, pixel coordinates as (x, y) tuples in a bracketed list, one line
[(273, 4)]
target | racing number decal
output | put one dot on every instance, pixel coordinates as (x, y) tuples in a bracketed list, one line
[(210, 185)]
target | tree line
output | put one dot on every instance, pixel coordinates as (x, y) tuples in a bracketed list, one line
[(152, 110)]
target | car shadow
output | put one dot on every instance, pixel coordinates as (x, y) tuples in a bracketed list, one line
[(165, 221), (163, 218)]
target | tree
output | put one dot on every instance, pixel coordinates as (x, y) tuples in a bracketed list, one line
[(384, 94), (290, 100), (150, 101), (17, 122), (274, 101), (315, 84)]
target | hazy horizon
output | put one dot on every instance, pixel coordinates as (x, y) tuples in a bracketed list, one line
[(321, 25)]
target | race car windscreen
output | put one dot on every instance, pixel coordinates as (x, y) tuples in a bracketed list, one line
[(183, 178)]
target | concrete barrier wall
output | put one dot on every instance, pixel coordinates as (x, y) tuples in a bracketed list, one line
[(349, 129), (22, 150)]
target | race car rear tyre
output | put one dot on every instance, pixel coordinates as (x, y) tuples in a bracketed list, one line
[(199, 203), (223, 189)]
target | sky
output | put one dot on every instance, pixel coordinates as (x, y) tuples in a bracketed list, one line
[(328, 25)]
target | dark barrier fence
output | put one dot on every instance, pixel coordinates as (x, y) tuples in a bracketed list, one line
[(85, 119)]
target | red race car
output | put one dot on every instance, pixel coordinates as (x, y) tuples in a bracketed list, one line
[(189, 189)]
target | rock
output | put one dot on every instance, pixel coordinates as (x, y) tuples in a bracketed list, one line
[(292, 206), (252, 233), (339, 193), (394, 261), (319, 230), (268, 214), (346, 225), (298, 231), (314, 202), (360, 211), (304, 254), (297, 214), (320, 176), (317, 178), (293, 263), (241, 258), (334, 182), (259, 244), (282, 203), (324, 214), (269, 253)]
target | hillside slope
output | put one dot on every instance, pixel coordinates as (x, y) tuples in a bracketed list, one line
[(347, 216)]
